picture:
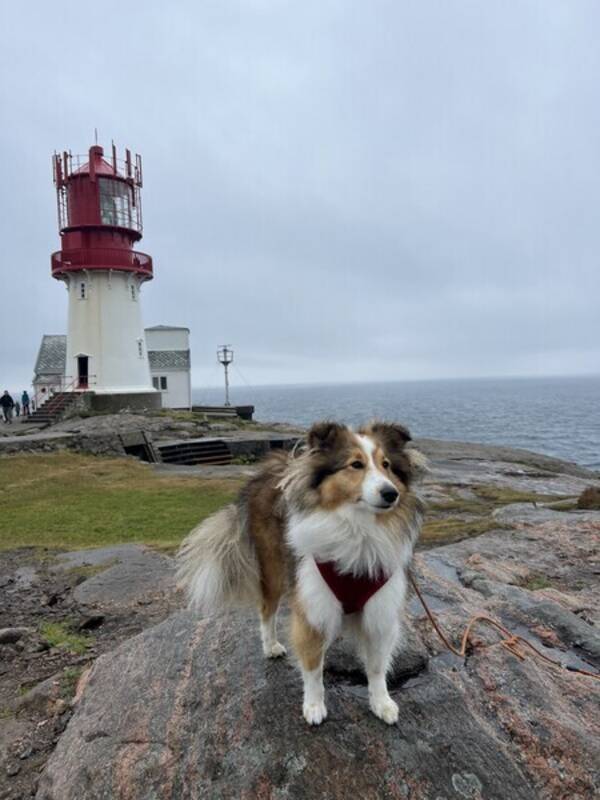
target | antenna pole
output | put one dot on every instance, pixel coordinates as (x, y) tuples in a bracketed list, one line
[(225, 356)]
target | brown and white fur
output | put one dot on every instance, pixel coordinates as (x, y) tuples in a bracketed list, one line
[(347, 497)]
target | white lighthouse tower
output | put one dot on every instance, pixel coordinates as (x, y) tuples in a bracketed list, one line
[(100, 220)]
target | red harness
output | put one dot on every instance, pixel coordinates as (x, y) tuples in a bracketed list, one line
[(352, 592)]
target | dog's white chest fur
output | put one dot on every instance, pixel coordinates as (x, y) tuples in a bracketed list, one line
[(359, 546), (352, 538)]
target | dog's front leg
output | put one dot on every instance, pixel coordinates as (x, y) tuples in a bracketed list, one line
[(379, 645), (309, 645)]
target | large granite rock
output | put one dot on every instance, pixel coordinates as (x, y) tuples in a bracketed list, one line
[(189, 709), (127, 573)]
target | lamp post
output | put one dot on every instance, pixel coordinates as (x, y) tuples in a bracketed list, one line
[(225, 356)]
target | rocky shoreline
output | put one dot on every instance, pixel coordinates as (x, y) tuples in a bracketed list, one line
[(171, 706)]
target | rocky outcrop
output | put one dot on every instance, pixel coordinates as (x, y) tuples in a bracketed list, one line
[(126, 574), (189, 708)]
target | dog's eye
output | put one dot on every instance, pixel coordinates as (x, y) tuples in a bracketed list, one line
[(357, 465), (385, 463)]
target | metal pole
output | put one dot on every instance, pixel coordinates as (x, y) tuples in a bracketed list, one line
[(227, 403), (225, 356)]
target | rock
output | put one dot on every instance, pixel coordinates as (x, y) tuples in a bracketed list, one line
[(141, 575), (11, 731), (44, 698), (127, 574), (12, 635), (589, 498), (528, 514), (190, 709), (91, 621), (497, 570)]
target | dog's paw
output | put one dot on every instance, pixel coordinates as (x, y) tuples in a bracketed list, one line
[(385, 709), (276, 650), (314, 713)]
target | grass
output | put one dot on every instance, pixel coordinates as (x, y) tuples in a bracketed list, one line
[(537, 582), (69, 680), (59, 634), (504, 495), (448, 530), (66, 500), (89, 570)]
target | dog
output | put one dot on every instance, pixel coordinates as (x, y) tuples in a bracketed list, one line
[(332, 525)]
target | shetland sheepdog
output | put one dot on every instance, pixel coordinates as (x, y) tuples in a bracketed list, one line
[(332, 526)]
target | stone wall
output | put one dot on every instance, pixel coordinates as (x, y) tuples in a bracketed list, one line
[(138, 401), (107, 444)]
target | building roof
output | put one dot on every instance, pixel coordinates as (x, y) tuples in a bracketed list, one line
[(52, 355), (167, 328), (169, 359)]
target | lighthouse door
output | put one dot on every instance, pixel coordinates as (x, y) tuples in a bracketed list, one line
[(82, 372)]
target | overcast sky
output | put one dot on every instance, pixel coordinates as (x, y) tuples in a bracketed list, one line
[(341, 190)]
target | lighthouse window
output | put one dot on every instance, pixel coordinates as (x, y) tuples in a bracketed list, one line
[(82, 291), (163, 383), (115, 203), (133, 292), (140, 345)]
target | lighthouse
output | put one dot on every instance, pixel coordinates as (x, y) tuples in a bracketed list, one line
[(100, 222)]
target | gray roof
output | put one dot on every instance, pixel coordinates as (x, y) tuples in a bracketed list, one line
[(169, 359), (52, 355), (166, 328)]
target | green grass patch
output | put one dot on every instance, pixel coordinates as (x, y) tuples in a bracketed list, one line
[(504, 495), (69, 501), (537, 582), (68, 681), (488, 497), (86, 571), (449, 529), (59, 634), (563, 505), (460, 505)]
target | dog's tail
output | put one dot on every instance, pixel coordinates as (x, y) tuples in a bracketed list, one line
[(217, 563)]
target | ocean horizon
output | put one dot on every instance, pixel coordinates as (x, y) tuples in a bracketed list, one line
[(555, 416)]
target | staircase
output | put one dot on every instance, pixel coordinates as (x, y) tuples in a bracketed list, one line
[(194, 451), (53, 409)]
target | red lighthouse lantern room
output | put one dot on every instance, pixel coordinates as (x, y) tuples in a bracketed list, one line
[(99, 214)]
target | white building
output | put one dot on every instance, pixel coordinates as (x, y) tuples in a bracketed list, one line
[(165, 348), (169, 357), (105, 342)]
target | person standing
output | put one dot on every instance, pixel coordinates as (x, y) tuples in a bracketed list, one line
[(7, 404), (25, 403), (17, 408)]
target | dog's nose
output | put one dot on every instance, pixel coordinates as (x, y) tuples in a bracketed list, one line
[(389, 494)]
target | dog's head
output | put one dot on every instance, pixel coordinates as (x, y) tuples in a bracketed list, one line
[(371, 468)]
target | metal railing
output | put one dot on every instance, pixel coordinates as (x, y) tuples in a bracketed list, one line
[(102, 258), (66, 164)]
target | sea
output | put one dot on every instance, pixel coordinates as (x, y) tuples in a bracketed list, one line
[(554, 416)]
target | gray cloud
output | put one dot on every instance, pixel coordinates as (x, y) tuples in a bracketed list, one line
[(344, 191)]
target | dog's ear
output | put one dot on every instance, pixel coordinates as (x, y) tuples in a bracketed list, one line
[(419, 465), (325, 435), (393, 435)]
